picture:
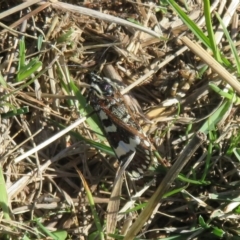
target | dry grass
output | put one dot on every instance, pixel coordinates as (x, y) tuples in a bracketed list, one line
[(57, 174)]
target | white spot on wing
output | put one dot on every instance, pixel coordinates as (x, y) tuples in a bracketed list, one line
[(124, 148), (147, 152), (144, 166), (104, 116), (111, 128), (155, 161), (126, 119), (148, 158), (135, 174), (147, 143)]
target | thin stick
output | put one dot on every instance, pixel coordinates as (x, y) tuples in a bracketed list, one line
[(18, 8), (50, 140), (154, 70), (103, 16), (166, 183), (211, 62)]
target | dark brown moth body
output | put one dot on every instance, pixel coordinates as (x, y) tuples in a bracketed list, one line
[(122, 131)]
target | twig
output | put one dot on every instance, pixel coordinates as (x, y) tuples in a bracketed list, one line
[(103, 16), (50, 140), (211, 62), (166, 183)]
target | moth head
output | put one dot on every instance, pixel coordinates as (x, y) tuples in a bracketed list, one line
[(101, 86)]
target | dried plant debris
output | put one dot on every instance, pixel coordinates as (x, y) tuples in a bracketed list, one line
[(81, 158)]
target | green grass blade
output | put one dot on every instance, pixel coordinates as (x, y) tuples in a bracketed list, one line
[(100, 146), (228, 95), (2, 81), (92, 206), (211, 36), (4, 197), (65, 38), (85, 109), (97, 145), (16, 112), (210, 124), (45, 230), (191, 25), (231, 43), (27, 70), (22, 55), (199, 33), (39, 42)]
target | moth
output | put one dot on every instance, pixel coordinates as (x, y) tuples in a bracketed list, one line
[(121, 128)]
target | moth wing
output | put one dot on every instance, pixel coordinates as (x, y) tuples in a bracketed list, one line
[(125, 140)]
